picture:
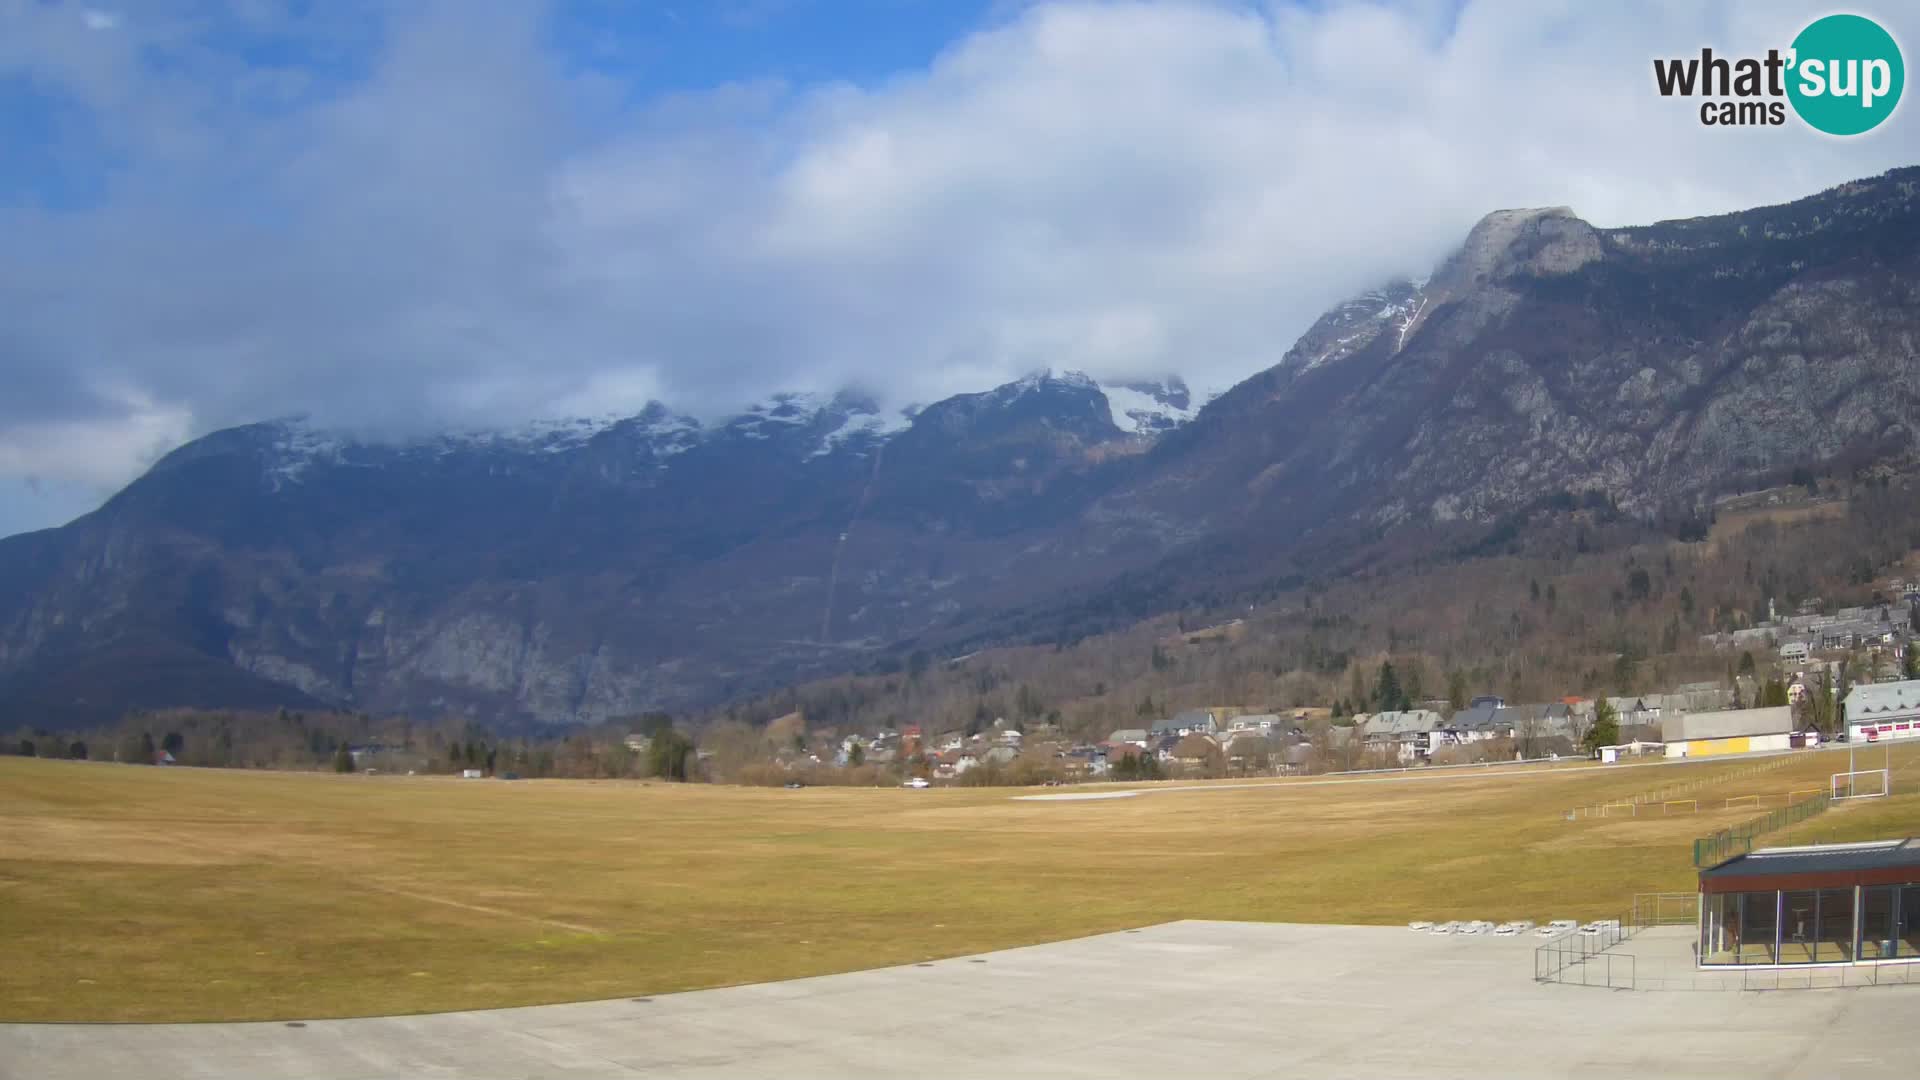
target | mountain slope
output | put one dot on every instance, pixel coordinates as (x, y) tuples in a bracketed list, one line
[(1653, 364), (570, 571), (599, 568)]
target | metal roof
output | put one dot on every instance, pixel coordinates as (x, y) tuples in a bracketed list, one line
[(1409, 722), (1821, 859), (1727, 724), (1875, 699)]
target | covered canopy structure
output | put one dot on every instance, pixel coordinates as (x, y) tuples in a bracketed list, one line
[(1823, 904)]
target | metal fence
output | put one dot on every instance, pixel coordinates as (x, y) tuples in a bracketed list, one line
[(1583, 958), (1654, 975), (1632, 805), (1665, 909), (1738, 839), (1590, 959), (1565, 959)]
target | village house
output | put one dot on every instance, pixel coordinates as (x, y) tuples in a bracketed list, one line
[(1186, 722), (1195, 751), (1296, 758), (1407, 733), (1487, 718), (1248, 749), (1264, 723), (1134, 736)]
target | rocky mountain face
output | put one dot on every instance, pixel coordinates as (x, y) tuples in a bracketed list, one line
[(1655, 364), (597, 568), (573, 570)]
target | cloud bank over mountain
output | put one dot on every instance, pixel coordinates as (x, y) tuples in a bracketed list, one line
[(452, 214)]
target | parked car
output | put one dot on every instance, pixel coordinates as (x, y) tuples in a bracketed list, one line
[(795, 785), (1446, 927), (1558, 927), (1420, 926), (917, 782)]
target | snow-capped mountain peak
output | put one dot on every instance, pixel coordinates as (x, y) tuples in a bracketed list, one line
[(815, 426)]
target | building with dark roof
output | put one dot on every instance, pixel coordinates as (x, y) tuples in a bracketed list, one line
[(1186, 722), (1822, 904)]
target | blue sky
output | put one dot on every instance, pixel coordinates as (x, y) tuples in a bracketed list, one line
[(636, 51), (690, 46), (398, 216)]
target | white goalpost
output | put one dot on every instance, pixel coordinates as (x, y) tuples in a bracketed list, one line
[(1690, 806), (1861, 784), (1743, 800)]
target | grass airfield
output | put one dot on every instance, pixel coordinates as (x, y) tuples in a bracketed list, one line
[(143, 894)]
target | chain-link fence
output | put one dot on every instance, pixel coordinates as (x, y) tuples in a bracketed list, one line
[(1738, 839)]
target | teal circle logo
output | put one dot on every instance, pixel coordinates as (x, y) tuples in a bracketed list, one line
[(1846, 75)]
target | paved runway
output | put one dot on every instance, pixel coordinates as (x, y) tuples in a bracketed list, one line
[(1182, 999)]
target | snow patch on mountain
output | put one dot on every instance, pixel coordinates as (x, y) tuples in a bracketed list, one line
[(297, 446), (876, 426), (1351, 326), (547, 435), (821, 424), (1149, 408)]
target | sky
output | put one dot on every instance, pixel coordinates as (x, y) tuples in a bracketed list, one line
[(397, 216)]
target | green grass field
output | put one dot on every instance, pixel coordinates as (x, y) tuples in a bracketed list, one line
[(175, 894)]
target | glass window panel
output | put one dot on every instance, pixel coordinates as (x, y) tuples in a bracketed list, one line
[(1876, 923), (1720, 927), (1908, 939), (1757, 917), (1833, 943), (1799, 918)]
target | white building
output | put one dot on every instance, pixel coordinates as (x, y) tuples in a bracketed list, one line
[(1264, 723), (1882, 711), (1729, 731)]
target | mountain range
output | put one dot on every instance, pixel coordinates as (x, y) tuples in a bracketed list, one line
[(588, 569)]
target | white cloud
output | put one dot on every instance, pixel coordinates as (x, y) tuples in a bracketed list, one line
[(1129, 189), (99, 20), (94, 452)]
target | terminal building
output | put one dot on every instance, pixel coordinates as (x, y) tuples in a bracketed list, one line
[(1826, 904)]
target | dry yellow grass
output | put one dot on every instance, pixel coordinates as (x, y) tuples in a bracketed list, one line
[(1731, 523), (172, 894)]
